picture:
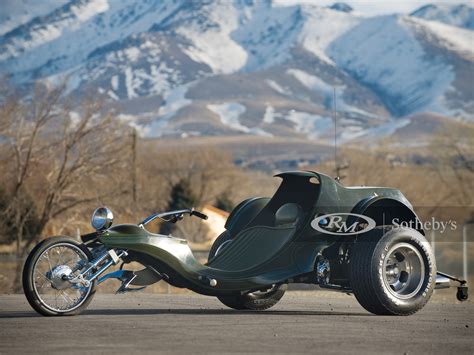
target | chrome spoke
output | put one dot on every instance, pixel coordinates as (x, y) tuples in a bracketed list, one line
[(46, 277), (49, 261)]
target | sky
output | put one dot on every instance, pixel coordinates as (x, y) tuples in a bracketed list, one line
[(377, 7)]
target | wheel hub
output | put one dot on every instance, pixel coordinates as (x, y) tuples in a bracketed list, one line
[(403, 271), (59, 277)]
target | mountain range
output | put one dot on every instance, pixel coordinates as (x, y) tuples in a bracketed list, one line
[(183, 68)]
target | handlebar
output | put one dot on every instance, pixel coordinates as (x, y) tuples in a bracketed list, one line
[(174, 216), (198, 214)]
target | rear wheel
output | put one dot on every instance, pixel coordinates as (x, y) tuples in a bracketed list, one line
[(258, 300), (45, 277), (392, 271)]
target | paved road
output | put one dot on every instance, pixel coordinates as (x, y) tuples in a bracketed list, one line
[(306, 322)]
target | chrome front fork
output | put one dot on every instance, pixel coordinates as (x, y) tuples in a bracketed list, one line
[(110, 257)]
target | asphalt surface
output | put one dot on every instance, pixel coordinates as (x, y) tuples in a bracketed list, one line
[(303, 322)]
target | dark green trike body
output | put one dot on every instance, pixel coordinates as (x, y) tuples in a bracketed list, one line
[(362, 240), (262, 253)]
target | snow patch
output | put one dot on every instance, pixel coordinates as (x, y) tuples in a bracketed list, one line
[(461, 15), (269, 116), (213, 45), (129, 85), (114, 82), (453, 38), (132, 53), (275, 86), (112, 95), (311, 82), (383, 52), (322, 27), (388, 128), (175, 100), (314, 126), (90, 9), (267, 33), (16, 13), (316, 84), (229, 115)]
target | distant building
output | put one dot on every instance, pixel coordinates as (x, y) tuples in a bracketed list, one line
[(216, 221)]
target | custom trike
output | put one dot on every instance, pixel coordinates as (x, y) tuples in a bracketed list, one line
[(313, 230)]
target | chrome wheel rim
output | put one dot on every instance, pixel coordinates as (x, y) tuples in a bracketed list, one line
[(403, 271), (50, 278)]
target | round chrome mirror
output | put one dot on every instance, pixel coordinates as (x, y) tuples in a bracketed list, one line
[(102, 218)]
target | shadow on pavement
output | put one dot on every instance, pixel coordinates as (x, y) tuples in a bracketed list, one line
[(204, 312)]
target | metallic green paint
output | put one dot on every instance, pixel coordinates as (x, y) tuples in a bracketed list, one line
[(291, 258)]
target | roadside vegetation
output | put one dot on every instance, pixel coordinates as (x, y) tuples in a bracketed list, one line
[(60, 159)]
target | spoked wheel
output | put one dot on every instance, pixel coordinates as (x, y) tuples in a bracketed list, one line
[(48, 269), (257, 300), (392, 271)]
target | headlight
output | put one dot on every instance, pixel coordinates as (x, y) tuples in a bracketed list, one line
[(102, 218)]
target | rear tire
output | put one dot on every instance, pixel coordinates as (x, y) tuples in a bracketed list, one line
[(392, 271), (256, 301)]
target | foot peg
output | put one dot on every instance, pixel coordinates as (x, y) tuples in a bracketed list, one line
[(129, 278)]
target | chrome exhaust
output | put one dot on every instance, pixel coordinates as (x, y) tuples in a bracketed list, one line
[(442, 282)]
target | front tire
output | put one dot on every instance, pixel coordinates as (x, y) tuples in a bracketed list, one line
[(256, 301), (43, 282), (392, 271)]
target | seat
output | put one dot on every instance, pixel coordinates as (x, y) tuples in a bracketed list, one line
[(257, 244), (288, 214)]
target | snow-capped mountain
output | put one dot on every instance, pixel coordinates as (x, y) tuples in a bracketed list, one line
[(227, 67), (455, 15), (14, 13)]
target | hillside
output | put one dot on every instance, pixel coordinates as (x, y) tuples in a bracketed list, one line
[(223, 68)]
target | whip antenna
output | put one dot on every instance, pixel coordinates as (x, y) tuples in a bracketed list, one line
[(336, 168)]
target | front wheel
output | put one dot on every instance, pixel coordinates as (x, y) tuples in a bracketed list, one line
[(392, 271), (47, 270)]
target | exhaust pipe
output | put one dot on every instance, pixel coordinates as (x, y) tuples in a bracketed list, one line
[(442, 282)]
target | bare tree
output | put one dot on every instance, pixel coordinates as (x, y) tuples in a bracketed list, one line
[(453, 149), (55, 157), (210, 172)]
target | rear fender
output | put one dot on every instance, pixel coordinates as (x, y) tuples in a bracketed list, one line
[(384, 211), (388, 211)]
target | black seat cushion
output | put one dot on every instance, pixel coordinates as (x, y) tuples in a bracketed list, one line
[(288, 214)]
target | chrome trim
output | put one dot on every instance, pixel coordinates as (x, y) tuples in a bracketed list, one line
[(403, 270), (442, 282), (220, 248), (86, 281), (102, 218)]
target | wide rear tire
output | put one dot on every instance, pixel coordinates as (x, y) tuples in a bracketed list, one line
[(256, 301), (392, 271)]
